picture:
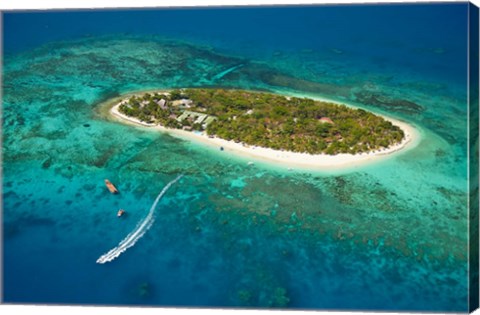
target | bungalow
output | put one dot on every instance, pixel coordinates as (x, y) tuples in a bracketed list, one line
[(162, 103), (207, 121), (183, 103), (183, 116), (200, 118)]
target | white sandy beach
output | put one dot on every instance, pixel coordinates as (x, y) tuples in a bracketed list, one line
[(287, 158)]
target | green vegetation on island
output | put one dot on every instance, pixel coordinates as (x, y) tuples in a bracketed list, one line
[(266, 120)]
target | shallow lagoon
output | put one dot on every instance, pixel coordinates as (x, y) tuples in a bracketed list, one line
[(229, 234)]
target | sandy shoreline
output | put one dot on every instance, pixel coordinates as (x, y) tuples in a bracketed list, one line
[(286, 158)]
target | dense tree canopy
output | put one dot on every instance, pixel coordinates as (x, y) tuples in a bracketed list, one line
[(269, 120)]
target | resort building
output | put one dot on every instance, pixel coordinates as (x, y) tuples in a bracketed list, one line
[(196, 118), (209, 119)]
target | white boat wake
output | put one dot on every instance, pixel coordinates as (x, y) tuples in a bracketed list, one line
[(136, 234)]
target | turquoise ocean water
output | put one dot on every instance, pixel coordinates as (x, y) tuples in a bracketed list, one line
[(388, 236)]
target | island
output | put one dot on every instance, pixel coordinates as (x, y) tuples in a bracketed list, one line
[(269, 126)]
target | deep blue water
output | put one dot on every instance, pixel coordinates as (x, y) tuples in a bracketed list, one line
[(393, 33), (390, 236)]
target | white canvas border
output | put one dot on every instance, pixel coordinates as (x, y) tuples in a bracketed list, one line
[(69, 4)]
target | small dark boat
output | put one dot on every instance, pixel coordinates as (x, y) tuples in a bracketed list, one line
[(221, 148), (111, 187), (120, 213)]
